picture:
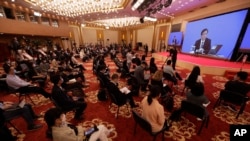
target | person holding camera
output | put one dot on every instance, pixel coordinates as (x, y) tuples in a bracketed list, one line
[(61, 130)]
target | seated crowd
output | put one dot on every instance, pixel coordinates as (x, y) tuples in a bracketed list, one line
[(66, 72)]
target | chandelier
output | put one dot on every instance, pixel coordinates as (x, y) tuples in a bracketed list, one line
[(74, 8), (119, 22)]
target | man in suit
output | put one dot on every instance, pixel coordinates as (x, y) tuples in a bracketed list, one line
[(174, 41), (203, 45), (113, 89), (64, 101), (239, 84)]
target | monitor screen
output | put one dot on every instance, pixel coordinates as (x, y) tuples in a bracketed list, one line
[(214, 36), (175, 38), (245, 44)]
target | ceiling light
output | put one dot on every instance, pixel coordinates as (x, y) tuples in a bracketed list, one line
[(73, 8), (150, 19), (137, 4), (37, 14), (118, 22)]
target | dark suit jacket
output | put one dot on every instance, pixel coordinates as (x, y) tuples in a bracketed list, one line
[(61, 98), (113, 89), (6, 67), (104, 77), (206, 46), (237, 86)]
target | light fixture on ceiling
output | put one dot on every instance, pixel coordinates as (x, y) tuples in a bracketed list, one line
[(37, 14), (150, 19), (137, 4), (118, 22), (151, 7), (73, 8)]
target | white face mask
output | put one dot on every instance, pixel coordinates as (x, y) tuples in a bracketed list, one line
[(63, 119)]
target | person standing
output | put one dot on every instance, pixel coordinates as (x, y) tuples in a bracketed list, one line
[(146, 50), (173, 54)]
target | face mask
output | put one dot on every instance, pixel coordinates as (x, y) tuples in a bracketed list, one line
[(63, 119)]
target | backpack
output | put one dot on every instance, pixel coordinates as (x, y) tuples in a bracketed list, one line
[(102, 95)]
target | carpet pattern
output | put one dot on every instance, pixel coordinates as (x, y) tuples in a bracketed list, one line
[(103, 113)]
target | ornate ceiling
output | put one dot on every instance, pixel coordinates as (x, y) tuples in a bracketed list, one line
[(113, 13)]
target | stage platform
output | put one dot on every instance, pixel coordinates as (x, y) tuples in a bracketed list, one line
[(207, 65)]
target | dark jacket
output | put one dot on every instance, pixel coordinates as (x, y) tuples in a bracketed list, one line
[(113, 89), (206, 46), (61, 98), (237, 86)]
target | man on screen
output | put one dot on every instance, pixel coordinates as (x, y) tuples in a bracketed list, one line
[(174, 41), (203, 45)]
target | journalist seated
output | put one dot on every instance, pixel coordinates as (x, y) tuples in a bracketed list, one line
[(22, 86), (121, 94), (63, 131), (239, 84), (10, 110), (64, 101)]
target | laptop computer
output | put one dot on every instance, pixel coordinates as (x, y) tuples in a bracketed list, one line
[(214, 49)]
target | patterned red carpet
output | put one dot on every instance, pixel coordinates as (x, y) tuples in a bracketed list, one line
[(100, 113)]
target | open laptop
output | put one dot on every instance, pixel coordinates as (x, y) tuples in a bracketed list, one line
[(214, 49)]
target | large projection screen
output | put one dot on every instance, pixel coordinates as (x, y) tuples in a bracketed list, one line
[(223, 32)]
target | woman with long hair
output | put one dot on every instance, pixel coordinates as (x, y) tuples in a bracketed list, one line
[(152, 110), (152, 66), (195, 76)]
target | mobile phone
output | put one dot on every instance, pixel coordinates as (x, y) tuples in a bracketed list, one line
[(89, 131)]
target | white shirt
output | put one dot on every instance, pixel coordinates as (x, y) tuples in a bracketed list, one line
[(202, 44), (15, 82), (129, 57)]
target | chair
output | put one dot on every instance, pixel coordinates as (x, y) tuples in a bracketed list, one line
[(102, 83), (197, 111), (117, 102), (144, 124), (57, 106), (9, 119), (16, 92), (234, 98), (187, 86)]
